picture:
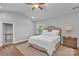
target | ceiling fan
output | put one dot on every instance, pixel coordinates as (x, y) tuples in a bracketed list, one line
[(36, 5)]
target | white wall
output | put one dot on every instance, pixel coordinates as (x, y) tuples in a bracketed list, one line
[(23, 27), (63, 21)]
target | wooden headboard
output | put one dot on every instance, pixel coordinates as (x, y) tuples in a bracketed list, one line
[(50, 28)]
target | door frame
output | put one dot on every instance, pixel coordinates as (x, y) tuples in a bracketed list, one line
[(3, 38)]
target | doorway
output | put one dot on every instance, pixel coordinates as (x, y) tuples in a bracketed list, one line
[(7, 34)]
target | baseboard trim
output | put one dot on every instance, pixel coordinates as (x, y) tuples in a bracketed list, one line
[(15, 43), (20, 42)]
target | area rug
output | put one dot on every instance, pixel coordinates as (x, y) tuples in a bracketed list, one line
[(26, 50)]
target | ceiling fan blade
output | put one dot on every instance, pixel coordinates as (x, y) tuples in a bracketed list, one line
[(35, 3), (29, 3), (41, 3), (40, 7), (33, 8)]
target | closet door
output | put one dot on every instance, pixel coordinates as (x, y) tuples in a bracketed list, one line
[(7, 33)]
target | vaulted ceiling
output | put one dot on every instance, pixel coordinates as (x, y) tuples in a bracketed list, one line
[(50, 9)]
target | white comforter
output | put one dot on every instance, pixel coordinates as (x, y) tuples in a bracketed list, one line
[(46, 42)]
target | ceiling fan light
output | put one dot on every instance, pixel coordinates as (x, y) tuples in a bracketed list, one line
[(36, 6)]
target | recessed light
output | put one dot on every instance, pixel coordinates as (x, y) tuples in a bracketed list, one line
[(0, 6), (33, 17)]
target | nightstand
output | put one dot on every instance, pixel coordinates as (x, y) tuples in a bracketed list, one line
[(70, 42)]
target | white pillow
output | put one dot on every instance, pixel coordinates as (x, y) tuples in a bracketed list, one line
[(55, 32), (49, 33)]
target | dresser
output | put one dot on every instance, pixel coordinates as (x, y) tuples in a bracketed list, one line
[(70, 42)]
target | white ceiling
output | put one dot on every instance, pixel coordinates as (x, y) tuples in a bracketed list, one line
[(50, 9)]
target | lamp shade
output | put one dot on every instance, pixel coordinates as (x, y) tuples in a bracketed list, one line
[(69, 28)]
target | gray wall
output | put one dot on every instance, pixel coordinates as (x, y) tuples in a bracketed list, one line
[(63, 21), (23, 27)]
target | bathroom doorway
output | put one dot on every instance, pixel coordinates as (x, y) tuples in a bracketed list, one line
[(7, 34)]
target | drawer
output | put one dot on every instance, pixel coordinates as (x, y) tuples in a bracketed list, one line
[(69, 38), (70, 45), (70, 41)]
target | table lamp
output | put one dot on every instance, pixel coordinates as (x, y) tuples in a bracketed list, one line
[(69, 29)]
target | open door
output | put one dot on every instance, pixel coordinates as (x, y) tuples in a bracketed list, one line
[(7, 33)]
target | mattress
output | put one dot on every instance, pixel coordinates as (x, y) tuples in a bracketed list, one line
[(46, 42)]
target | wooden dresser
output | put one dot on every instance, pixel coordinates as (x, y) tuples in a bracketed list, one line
[(70, 42)]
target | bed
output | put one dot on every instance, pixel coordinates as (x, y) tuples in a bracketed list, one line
[(48, 41)]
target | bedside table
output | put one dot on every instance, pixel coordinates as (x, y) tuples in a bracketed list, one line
[(70, 42)]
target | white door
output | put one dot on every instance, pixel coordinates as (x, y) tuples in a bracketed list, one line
[(7, 33)]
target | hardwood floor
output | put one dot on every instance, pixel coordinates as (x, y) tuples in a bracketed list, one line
[(26, 50), (77, 52), (13, 51), (10, 51)]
